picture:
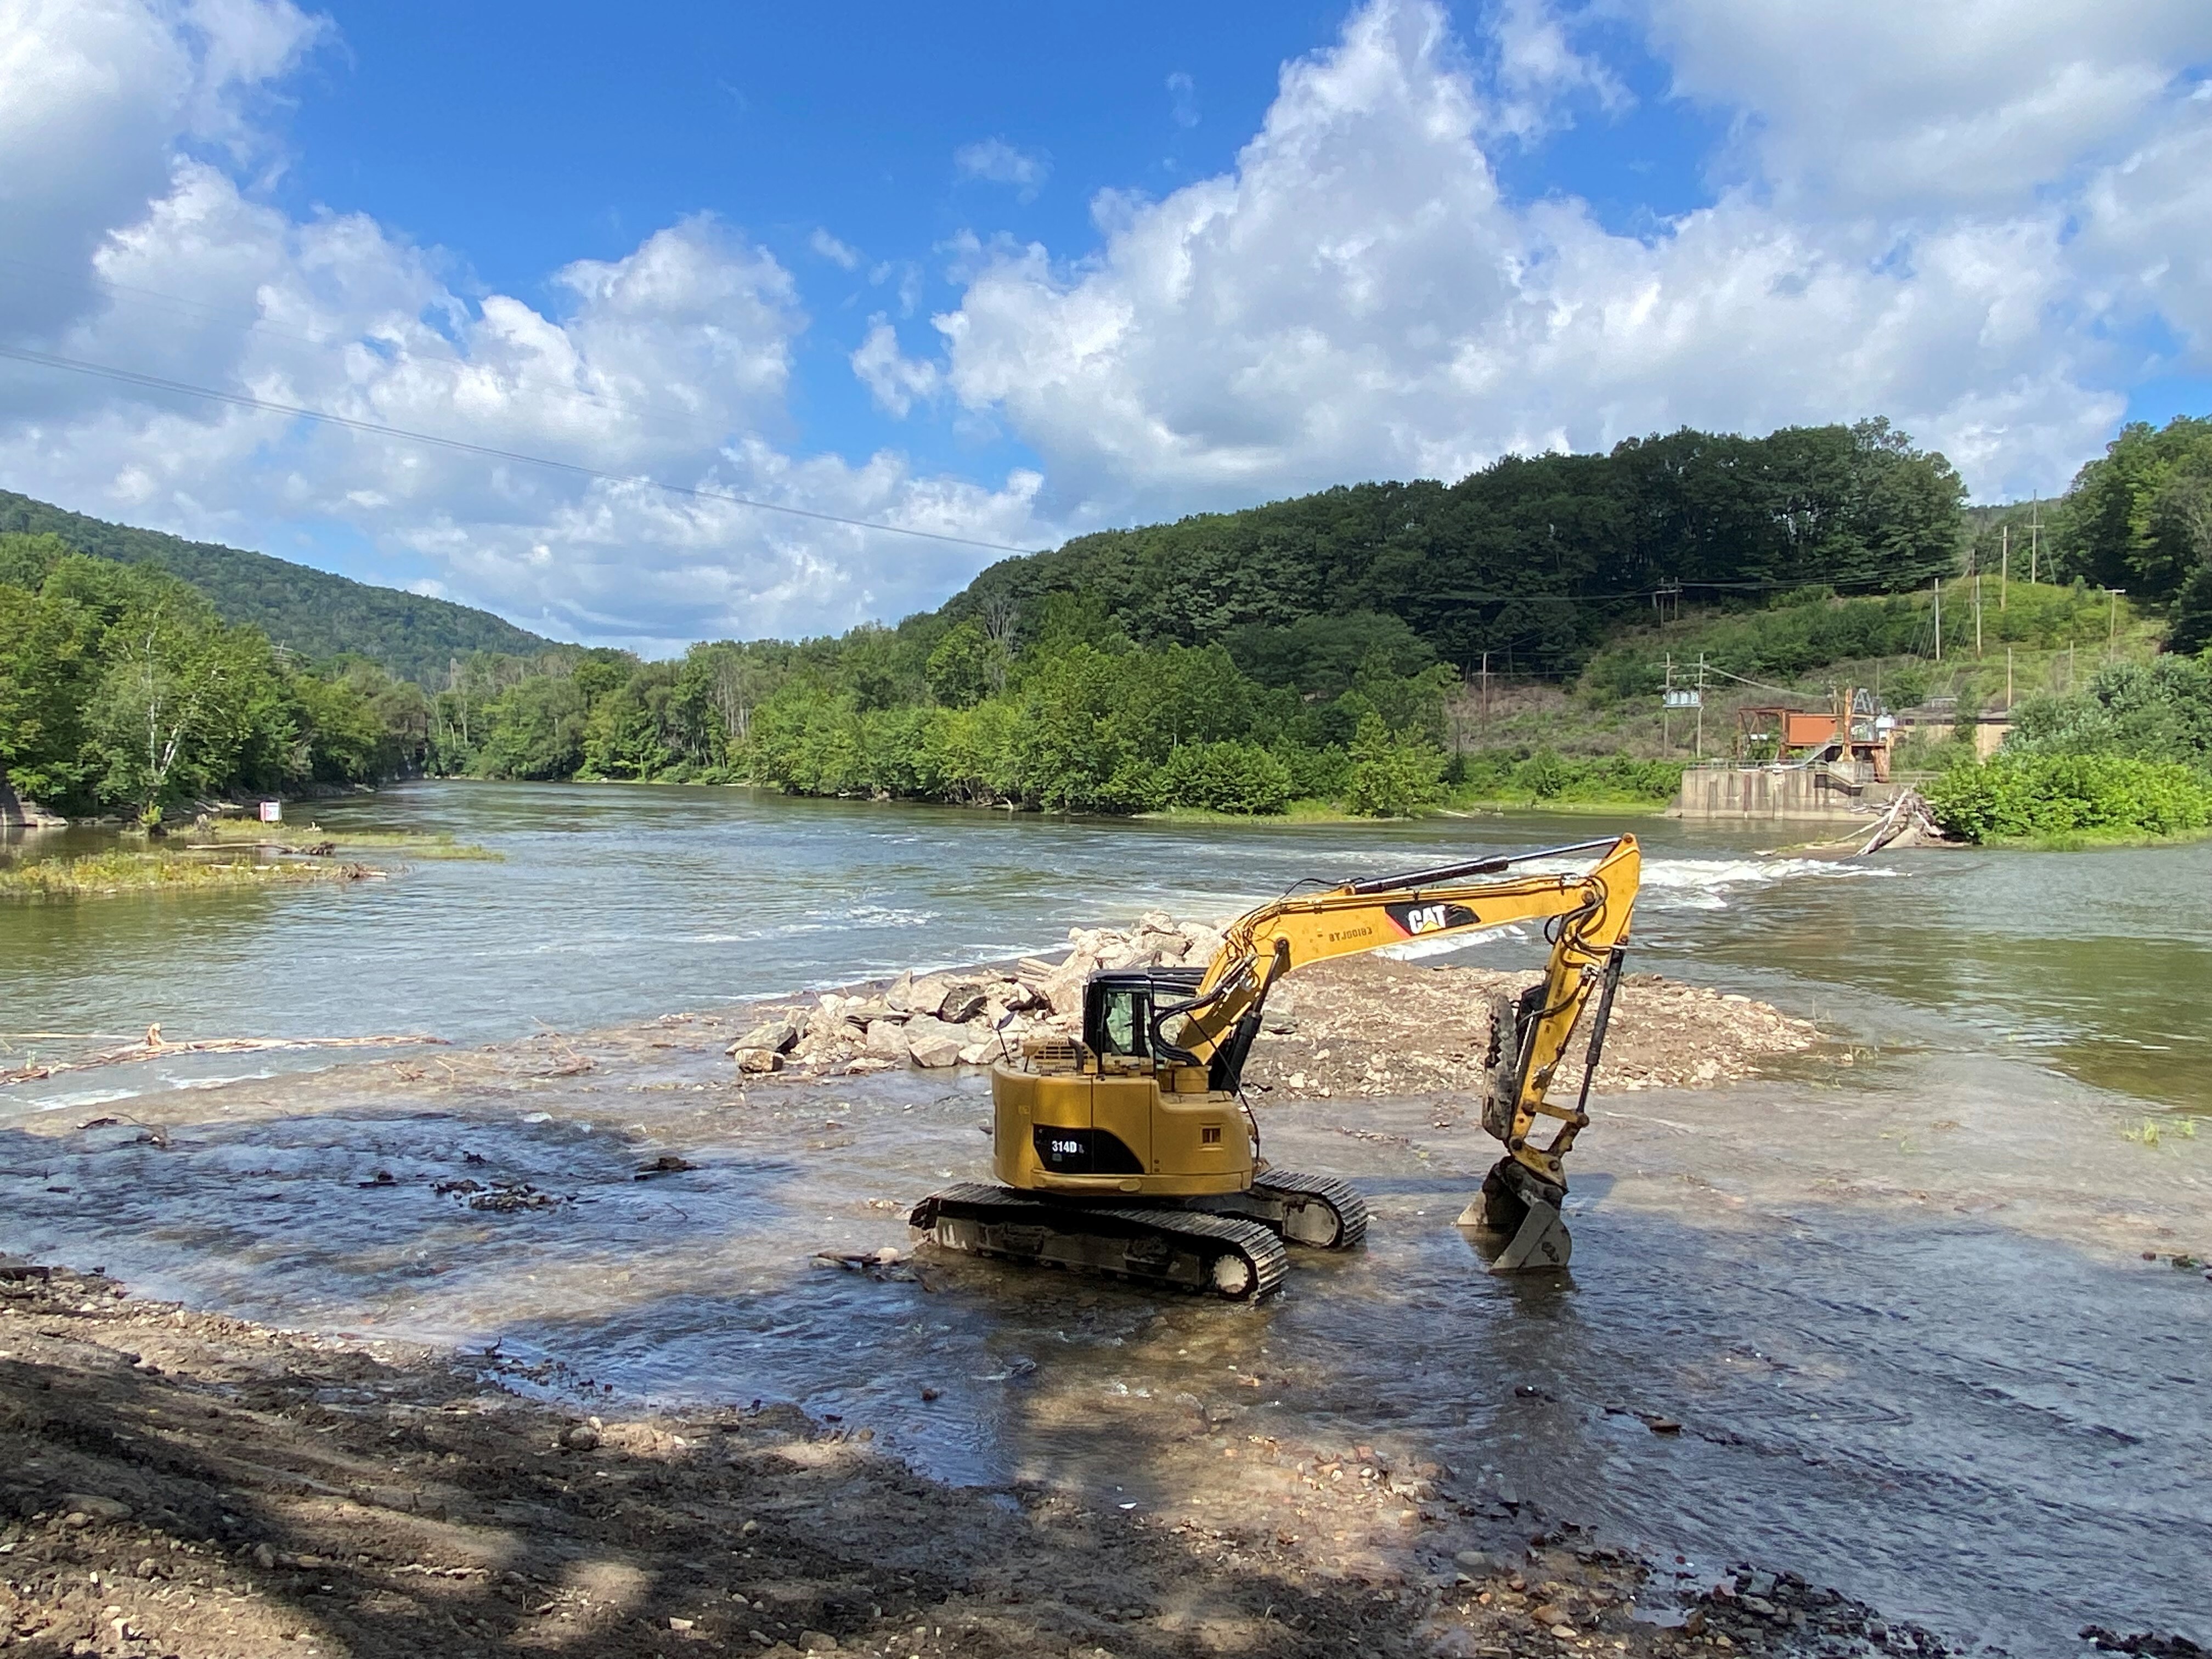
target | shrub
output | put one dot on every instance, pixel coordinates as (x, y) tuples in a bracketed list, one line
[(2038, 796), (1391, 775), (1226, 777)]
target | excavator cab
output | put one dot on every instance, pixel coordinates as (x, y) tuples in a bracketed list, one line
[(1118, 1010)]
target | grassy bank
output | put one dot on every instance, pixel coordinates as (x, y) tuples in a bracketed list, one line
[(2093, 840), (105, 875), (410, 843), (1310, 809), (1593, 805)]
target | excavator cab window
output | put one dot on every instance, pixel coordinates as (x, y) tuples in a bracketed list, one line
[(1122, 1021)]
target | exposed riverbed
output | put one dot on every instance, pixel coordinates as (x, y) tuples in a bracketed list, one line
[(1899, 1306)]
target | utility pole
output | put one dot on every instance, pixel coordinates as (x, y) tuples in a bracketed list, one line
[(2113, 623), (1665, 709), (2004, 567), (1978, 615), (2034, 537), (1938, 619), (1701, 706)]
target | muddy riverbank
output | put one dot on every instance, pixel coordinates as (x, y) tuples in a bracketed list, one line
[(183, 1484)]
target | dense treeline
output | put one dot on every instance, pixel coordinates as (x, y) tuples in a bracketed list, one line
[(2139, 518), (121, 689), (1239, 662), (1533, 559), (1068, 723), (310, 611)]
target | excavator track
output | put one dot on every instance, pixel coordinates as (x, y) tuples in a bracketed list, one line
[(1319, 1212), (1177, 1249)]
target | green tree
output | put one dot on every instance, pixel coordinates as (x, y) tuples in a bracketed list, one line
[(2157, 711), (2137, 517), (163, 718), (1390, 775), (966, 666), (535, 729)]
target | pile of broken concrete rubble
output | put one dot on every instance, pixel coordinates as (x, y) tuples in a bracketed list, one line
[(966, 1016)]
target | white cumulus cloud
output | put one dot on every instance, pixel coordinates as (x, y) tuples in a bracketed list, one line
[(1358, 297), (134, 248)]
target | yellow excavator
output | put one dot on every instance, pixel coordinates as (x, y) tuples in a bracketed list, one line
[(1131, 1152)]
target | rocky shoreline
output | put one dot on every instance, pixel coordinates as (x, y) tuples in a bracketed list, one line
[(1362, 1025)]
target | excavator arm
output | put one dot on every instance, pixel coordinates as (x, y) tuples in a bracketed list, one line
[(1586, 915)]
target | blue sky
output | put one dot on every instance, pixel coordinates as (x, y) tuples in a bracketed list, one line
[(1008, 273), (583, 136)]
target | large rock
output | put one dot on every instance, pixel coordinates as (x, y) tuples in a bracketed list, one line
[(932, 1043), (778, 1036), (962, 1003), (757, 1060), (886, 1040), (1064, 988), (899, 1000), (1019, 995)]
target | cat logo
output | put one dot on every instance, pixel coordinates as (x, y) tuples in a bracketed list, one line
[(1419, 919)]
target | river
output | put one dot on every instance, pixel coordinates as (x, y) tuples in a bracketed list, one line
[(1900, 1307)]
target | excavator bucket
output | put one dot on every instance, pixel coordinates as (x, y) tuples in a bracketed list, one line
[(1521, 1216)]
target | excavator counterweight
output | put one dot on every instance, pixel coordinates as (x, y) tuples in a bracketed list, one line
[(1131, 1150)]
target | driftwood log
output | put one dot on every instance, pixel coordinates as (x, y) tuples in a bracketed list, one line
[(156, 1048)]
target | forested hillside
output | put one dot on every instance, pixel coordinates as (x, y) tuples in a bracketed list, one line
[(1539, 557), (310, 611), (1238, 662), (1319, 649)]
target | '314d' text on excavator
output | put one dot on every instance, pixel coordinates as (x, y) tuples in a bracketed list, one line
[(1131, 1151)]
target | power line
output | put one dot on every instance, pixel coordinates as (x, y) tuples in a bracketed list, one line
[(154, 382), (1782, 690), (1673, 583)]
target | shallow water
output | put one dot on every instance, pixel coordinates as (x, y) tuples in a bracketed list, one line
[(618, 901), (1898, 1307)]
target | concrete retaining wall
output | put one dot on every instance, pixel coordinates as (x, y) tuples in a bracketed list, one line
[(19, 814), (1758, 791)]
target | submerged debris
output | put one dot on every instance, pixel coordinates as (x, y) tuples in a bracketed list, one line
[(2148, 1644), (501, 1197)]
